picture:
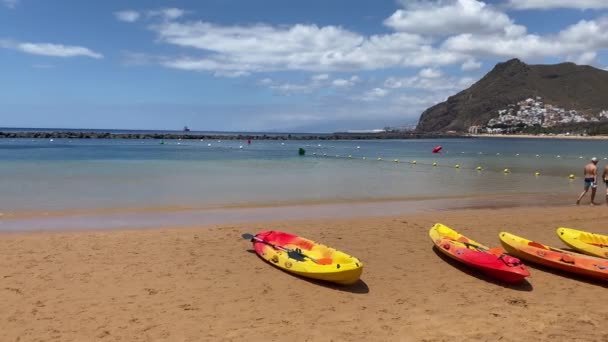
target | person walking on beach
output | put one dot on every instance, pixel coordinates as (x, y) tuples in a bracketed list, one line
[(590, 181), (605, 179)]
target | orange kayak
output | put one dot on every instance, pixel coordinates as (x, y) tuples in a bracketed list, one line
[(555, 258)]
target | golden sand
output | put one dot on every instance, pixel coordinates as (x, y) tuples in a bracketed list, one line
[(202, 284)]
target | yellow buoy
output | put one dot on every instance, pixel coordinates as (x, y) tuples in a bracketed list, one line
[(379, 158), (435, 164), (537, 173), (571, 176), (506, 171), (396, 160), (413, 162), (478, 168), (457, 166)]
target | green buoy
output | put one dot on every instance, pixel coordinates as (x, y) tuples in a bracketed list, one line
[(301, 151)]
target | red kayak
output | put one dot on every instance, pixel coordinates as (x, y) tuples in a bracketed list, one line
[(490, 261), (437, 149)]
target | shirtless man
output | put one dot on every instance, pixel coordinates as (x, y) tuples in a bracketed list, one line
[(590, 181), (605, 178)]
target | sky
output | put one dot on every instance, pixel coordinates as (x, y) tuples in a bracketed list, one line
[(271, 65)]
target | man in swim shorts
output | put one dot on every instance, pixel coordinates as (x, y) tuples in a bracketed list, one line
[(605, 178), (590, 181)]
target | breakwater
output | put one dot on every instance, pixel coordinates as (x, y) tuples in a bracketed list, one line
[(224, 136)]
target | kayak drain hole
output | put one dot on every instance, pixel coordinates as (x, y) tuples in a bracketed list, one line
[(338, 266), (357, 264)]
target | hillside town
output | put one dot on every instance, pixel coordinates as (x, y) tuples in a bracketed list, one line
[(534, 112)]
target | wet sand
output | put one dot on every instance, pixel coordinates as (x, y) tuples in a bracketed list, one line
[(158, 217), (201, 283)]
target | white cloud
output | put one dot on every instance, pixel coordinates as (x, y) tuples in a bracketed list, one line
[(346, 83), (167, 13), (548, 4), (298, 47), (48, 49), (581, 37), (375, 94), (289, 88), (469, 65), (320, 77), (449, 17), (447, 83), (57, 50), (265, 81), (432, 34), (10, 3), (128, 16), (430, 73), (586, 58), (231, 74)]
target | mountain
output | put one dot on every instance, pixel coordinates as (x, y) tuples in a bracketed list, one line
[(567, 85)]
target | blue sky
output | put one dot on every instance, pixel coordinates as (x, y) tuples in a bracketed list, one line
[(272, 65)]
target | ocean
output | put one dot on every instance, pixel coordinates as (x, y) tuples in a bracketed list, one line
[(59, 175)]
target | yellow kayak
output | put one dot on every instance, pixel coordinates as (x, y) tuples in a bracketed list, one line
[(306, 258), (585, 242)]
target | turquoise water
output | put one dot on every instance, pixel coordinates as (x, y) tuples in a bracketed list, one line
[(90, 174)]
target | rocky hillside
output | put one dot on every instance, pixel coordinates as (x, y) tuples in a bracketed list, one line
[(567, 85)]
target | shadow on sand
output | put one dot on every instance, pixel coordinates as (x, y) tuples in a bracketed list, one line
[(573, 276), (521, 286), (360, 287)]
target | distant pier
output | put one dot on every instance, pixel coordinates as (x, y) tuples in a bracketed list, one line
[(235, 136)]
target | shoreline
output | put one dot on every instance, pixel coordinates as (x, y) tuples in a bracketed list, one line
[(532, 136), (201, 283), (159, 217), (42, 213)]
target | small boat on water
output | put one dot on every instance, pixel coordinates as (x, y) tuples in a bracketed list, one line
[(186, 129)]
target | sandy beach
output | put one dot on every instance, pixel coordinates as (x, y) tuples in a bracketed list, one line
[(203, 284)]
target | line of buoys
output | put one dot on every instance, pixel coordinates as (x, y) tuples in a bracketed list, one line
[(456, 166)]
